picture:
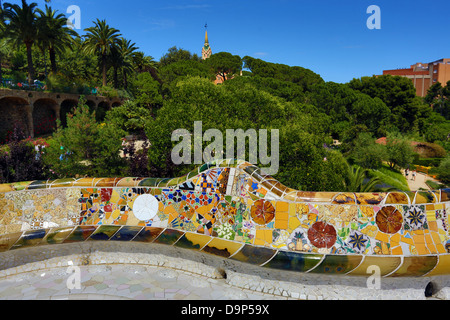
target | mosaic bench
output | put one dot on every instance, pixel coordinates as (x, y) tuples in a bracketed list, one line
[(231, 210)]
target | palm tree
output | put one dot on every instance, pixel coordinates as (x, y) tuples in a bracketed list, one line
[(53, 34), (22, 29), (121, 59), (357, 181), (143, 63), (100, 39)]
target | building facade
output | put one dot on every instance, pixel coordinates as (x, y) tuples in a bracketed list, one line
[(424, 75)]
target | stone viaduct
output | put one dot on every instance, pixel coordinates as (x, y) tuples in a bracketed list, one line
[(36, 112)]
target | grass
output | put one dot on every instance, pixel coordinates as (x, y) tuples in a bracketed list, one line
[(435, 185), (391, 177)]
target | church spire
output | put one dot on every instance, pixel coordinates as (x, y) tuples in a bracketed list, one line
[(206, 50)]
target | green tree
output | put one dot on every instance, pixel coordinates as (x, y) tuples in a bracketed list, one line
[(438, 97), (22, 29), (84, 147), (225, 64), (121, 59), (100, 40), (399, 151), (298, 75), (53, 34), (146, 91), (348, 107), (367, 153), (175, 54), (78, 65), (303, 161), (398, 93), (443, 171), (170, 74), (129, 117), (358, 181)]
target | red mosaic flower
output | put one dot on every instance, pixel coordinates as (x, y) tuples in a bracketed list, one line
[(106, 194), (389, 220), (262, 212), (322, 235)]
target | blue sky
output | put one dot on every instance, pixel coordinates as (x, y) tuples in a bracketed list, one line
[(329, 37)]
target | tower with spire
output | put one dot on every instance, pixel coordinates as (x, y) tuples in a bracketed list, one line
[(206, 50)]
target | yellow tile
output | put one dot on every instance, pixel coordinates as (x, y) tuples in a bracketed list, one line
[(431, 247), (422, 249), (440, 248), (439, 206), (394, 244), (263, 237), (397, 251), (293, 224), (282, 206), (387, 264), (436, 238), (222, 247), (281, 220), (281, 224), (396, 237), (419, 239), (443, 266), (292, 211), (428, 238), (418, 232), (433, 225), (382, 236), (431, 216)]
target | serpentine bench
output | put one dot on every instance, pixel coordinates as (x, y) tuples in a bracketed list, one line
[(229, 209)]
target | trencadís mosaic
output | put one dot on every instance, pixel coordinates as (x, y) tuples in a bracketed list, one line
[(229, 209)]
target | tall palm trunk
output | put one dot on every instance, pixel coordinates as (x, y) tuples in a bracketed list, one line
[(104, 69), (1, 72), (29, 44), (51, 52), (125, 80), (116, 78)]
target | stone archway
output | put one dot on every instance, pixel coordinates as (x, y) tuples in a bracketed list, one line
[(14, 111), (102, 108), (91, 104), (45, 113), (67, 106)]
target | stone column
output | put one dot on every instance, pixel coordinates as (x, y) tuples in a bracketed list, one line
[(57, 109), (30, 122)]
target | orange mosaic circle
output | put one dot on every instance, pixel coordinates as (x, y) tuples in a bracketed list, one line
[(322, 235), (262, 212), (389, 220)]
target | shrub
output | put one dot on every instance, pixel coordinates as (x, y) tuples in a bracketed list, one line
[(443, 171), (430, 150), (20, 162)]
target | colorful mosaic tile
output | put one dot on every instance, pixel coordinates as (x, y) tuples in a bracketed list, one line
[(230, 209)]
